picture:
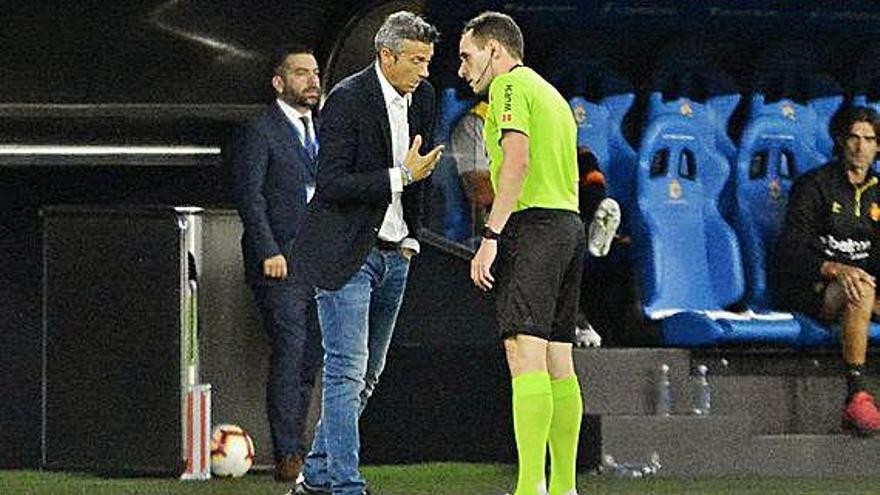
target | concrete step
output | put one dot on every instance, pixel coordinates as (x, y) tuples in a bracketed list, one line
[(687, 445), (814, 455), (801, 394), (623, 381)]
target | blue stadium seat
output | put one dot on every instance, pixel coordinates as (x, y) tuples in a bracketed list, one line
[(691, 267), (599, 129), (862, 101), (814, 333), (722, 108), (710, 121), (776, 146), (825, 108), (622, 164), (593, 128), (809, 88), (679, 179)]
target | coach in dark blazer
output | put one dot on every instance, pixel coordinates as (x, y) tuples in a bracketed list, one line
[(361, 231), (274, 162), (354, 189)]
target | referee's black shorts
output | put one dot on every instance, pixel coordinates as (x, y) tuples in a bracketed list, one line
[(541, 256)]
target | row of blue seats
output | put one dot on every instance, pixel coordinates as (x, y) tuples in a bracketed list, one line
[(704, 212), (705, 219)]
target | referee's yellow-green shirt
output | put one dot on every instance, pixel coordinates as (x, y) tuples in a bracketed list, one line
[(523, 101)]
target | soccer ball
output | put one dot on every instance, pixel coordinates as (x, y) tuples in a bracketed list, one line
[(232, 451)]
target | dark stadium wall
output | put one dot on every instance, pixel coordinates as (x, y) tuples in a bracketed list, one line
[(71, 78)]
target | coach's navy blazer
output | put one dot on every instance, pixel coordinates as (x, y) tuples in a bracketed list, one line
[(270, 171), (353, 187)]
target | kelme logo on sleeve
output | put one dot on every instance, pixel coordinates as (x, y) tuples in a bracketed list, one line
[(508, 97), (507, 108)]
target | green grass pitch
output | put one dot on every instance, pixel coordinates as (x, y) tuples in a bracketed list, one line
[(425, 479)]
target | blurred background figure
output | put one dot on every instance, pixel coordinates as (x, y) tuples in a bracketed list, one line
[(468, 150)]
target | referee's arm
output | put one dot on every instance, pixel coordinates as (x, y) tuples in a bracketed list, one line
[(514, 166)]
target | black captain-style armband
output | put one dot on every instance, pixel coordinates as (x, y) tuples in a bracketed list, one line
[(488, 233)]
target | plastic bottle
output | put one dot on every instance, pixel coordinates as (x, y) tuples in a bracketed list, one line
[(702, 392), (663, 404)]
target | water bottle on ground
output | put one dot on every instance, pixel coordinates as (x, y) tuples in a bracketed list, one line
[(702, 392), (663, 402)]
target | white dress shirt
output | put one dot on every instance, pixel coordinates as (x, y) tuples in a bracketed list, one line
[(294, 116), (394, 228)]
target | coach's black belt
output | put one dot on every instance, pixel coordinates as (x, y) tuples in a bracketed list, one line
[(383, 245)]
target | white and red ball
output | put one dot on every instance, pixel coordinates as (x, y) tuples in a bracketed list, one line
[(232, 451)]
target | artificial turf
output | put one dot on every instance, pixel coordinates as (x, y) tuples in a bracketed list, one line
[(429, 479)]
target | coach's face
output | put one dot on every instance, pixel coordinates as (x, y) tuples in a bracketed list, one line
[(406, 69), (476, 62)]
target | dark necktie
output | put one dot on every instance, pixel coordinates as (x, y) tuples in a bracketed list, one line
[(309, 141)]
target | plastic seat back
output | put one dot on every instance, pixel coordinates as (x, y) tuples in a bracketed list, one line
[(776, 147), (688, 254)]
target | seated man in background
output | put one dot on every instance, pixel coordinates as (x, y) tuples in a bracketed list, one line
[(469, 152), (828, 255)]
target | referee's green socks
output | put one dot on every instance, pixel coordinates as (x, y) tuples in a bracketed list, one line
[(568, 409), (532, 413)]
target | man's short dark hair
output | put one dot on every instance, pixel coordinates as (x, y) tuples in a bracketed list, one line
[(401, 26), (279, 57), (843, 121), (499, 27)]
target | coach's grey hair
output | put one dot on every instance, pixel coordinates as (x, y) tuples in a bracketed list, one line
[(401, 26)]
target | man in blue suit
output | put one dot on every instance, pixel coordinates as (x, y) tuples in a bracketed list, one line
[(361, 232), (274, 160)]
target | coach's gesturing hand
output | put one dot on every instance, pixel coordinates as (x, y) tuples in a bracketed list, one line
[(421, 166)]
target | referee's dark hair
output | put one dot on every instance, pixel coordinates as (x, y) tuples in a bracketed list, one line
[(845, 118), (499, 27)]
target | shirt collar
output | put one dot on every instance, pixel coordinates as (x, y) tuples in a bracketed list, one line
[(291, 113), (388, 92)]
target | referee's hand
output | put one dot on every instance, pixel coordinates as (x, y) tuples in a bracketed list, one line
[(481, 264)]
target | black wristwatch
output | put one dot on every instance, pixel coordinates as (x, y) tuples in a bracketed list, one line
[(488, 233)]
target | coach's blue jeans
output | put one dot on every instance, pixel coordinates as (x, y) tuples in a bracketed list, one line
[(356, 324)]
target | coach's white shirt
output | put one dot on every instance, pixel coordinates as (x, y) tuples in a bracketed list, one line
[(393, 228)]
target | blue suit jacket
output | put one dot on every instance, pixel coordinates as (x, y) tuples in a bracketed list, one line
[(270, 172), (353, 187)]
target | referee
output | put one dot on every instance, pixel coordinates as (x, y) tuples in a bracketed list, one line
[(536, 234)]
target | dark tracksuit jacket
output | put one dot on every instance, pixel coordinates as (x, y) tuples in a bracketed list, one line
[(828, 219)]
